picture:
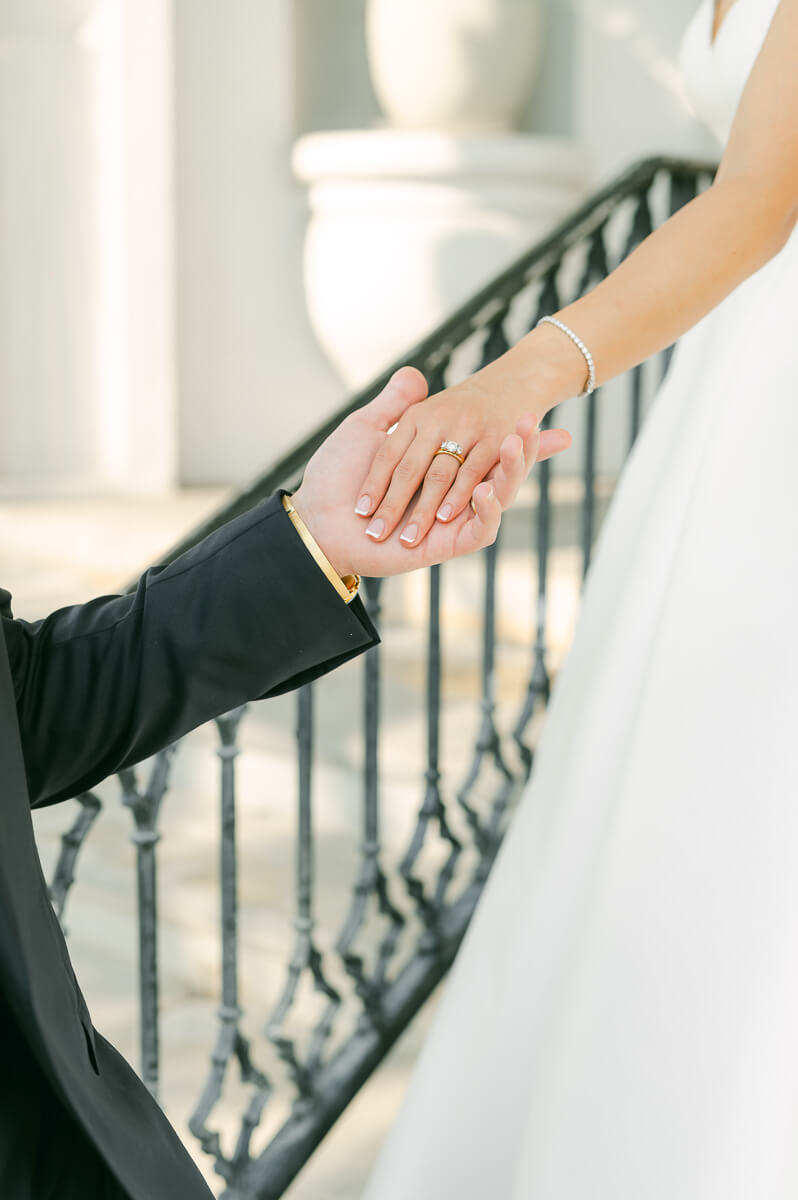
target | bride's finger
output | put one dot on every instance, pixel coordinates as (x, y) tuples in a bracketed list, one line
[(445, 477), (393, 449), (416, 464), (526, 441), (381, 473)]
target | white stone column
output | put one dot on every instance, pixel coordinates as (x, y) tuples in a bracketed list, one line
[(48, 248), (85, 281), (142, 452), (252, 378)]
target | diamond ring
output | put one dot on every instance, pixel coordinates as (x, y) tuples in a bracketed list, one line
[(452, 448)]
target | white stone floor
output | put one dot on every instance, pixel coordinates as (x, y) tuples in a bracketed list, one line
[(52, 553)]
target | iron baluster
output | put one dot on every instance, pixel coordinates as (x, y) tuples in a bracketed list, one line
[(684, 187), (596, 268), (371, 879), (636, 403), (432, 808), (230, 1042), (488, 744), (642, 224), (589, 479), (488, 741), (145, 808), (71, 843), (549, 297), (539, 685), (496, 340), (306, 956)]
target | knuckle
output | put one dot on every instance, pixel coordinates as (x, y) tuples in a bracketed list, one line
[(438, 476), (471, 472), (489, 534), (389, 510), (372, 483), (385, 456), (404, 471)]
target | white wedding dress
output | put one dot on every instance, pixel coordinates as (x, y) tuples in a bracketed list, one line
[(622, 1020)]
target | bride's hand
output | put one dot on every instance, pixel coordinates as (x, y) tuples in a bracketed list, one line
[(473, 414)]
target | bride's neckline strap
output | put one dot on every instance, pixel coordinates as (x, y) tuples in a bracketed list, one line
[(715, 29)]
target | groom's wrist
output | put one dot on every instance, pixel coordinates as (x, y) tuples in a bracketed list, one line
[(302, 517)]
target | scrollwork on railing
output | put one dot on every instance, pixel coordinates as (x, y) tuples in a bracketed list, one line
[(71, 842), (409, 907)]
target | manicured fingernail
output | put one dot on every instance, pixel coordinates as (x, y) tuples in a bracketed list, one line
[(444, 512), (409, 534), (363, 506), (376, 528)]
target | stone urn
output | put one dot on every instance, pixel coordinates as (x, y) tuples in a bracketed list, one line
[(407, 224), (459, 65)]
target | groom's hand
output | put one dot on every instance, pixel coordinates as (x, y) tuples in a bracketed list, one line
[(329, 492)]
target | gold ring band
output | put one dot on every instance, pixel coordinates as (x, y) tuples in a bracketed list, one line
[(473, 505), (452, 454)]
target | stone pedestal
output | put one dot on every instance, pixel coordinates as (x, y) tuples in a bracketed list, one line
[(406, 225)]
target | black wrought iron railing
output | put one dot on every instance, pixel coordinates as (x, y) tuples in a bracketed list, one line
[(281, 1071)]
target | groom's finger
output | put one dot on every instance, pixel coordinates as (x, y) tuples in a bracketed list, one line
[(528, 430), (406, 386), (553, 441), (540, 444), (511, 470), (483, 527)]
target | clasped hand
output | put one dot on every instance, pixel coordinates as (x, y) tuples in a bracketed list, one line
[(363, 448)]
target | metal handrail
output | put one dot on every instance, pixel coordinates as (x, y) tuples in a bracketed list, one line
[(428, 354)]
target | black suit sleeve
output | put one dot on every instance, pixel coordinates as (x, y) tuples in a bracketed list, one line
[(244, 615)]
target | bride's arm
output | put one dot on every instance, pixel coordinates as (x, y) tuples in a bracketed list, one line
[(692, 262), (674, 278)]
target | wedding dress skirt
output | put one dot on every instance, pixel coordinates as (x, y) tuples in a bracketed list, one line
[(622, 1020)]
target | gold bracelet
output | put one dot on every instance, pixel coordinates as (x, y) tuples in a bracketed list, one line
[(345, 585)]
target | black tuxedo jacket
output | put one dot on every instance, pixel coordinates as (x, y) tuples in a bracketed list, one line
[(245, 614)]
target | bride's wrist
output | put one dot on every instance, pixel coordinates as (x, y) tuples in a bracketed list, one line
[(543, 368)]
